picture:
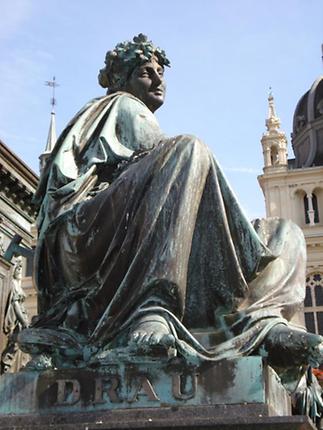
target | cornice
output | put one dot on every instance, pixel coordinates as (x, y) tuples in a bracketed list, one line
[(18, 165), (16, 192), (315, 171), (17, 181)]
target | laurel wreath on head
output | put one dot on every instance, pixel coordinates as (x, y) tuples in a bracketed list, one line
[(125, 57)]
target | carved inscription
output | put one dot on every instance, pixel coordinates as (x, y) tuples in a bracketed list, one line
[(184, 386), (144, 388), (138, 388), (68, 392), (108, 385)]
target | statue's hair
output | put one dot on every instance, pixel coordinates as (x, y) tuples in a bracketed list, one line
[(125, 57)]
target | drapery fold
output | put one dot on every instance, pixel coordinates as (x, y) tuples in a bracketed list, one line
[(131, 220)]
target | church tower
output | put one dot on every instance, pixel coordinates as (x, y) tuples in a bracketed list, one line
[(293, 188), (274, 142), (51, 139)]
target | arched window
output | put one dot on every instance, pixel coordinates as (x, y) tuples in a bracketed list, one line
[(308, 210), (274, 156), (313, 304)]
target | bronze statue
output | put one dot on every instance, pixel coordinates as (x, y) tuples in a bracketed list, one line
[(141, 240)]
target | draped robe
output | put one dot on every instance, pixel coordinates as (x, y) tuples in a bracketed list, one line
[(132, 221)]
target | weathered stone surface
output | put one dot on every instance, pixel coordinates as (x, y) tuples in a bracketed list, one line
[(232, 417)]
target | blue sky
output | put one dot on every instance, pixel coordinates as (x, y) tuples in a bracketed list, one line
[(224, 56)]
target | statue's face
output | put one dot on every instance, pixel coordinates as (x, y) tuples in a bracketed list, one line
[(147, 83), (18, 271)]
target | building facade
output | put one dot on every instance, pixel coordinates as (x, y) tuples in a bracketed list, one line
[(17, 217), (293, 188)]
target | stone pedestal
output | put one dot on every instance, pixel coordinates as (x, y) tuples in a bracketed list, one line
[(182, 418), (232, 394)]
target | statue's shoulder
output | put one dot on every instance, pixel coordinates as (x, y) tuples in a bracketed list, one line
[(128, 102), (131, 110)]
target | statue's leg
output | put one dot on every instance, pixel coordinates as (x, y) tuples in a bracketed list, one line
[(260, 322), (129, 246), (279, 291), (132, 241)]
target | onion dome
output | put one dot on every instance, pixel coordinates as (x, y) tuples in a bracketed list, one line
[(307, 136)]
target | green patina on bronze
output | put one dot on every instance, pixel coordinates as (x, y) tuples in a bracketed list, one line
[(142, 242), (144, 383), (125, 57)]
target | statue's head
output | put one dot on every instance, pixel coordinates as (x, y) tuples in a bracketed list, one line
[(138, 68), (17, 272)]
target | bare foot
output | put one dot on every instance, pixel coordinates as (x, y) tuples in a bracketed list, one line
[(152, 332), (288, 346)]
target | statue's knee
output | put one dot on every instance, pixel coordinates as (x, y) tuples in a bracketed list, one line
[(280, 235), (192, 145)]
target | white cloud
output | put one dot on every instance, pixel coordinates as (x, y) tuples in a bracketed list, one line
[(249, 170)]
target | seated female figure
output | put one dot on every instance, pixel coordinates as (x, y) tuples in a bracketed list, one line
[(141, 240)]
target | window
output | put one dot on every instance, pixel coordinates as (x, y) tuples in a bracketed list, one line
[(274, 156), (314, 211), (313, 304)]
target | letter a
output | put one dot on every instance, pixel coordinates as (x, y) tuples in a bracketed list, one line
[(144, 388)]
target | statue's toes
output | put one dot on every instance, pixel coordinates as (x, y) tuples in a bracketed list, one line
[(134, 336), (154, 339), (320, 349), (168, 340), (152, 335), (138, 337)]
